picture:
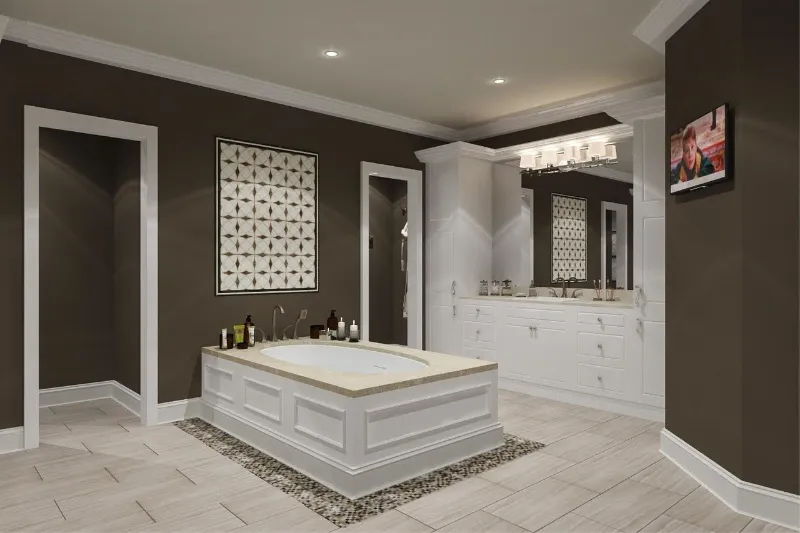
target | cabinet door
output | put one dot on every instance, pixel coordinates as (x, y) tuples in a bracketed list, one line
[(533, 353), (515, 352), (549, 357)]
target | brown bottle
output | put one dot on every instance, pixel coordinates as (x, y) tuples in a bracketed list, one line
[(333, 322), (249, 333)]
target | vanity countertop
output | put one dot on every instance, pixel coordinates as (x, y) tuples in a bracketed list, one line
[(440, 367), (550, 301)]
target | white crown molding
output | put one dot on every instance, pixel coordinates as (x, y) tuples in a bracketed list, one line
[(609, 173), (610, 134), (664, 20), (453, 150), (565, 110), (639, 110), (71, 44), (747, 498), (3, 25)]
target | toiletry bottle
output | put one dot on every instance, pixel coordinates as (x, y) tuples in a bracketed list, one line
[(223, 339), (531, 290), (247, 331), (354, 332), (340, 332), (331, 324), (238, 333), (251, 330)]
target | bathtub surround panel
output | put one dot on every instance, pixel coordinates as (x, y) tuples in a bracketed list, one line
[(89, 259), (732, 377), (188, 117), (266, 219), (355, 444)]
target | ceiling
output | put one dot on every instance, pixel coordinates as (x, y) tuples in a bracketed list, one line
[(432, 60)]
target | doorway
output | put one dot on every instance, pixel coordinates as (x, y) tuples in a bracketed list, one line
[(53, 172), (395, 269)]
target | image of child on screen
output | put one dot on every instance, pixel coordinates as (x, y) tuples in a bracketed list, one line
[(693, 163)]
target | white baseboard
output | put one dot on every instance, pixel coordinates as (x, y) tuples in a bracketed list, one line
[(91, 391), (747, 498), (622, 407), (179, 410), (11, 440)]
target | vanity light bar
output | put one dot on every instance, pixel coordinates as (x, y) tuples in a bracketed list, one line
[(569, 158)]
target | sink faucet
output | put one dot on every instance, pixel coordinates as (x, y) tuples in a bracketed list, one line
[(564, 283), (274, 330), (303, 314)]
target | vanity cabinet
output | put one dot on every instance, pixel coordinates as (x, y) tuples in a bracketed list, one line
[(585, 354)]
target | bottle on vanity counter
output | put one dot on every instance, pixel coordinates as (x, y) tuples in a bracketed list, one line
[(354, 332), (250, 331), (223, 339), (332, 323), (340, 330), (238, 336)]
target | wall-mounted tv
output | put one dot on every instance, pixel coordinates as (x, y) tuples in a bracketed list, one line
[(699, 152)]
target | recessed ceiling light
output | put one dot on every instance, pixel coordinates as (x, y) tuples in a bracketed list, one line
[(331, 53), (499, 81)]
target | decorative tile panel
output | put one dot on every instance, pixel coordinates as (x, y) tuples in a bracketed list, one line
[(266, 219), (569, 237)]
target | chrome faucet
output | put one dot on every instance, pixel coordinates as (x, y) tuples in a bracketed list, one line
[(274, 330), (553, 292), (563, 283), (303, 314), (263, 335)]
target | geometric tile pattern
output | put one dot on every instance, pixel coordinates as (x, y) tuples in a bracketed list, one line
[(569, 238), (333, 506), (266, 219)]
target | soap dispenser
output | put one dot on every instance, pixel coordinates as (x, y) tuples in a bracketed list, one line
[(332, 323)]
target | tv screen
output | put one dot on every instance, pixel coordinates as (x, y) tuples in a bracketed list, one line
[(698, 151)]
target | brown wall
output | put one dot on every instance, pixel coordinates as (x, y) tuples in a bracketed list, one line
[(732, 249), (189, 118), (89, 267), (127, 293), (596, 190), (576, 125)]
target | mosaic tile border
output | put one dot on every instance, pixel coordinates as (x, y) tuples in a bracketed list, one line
[(331, 505)]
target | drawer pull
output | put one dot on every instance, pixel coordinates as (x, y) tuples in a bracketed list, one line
[(599, 346), (600, 320), (477, 311), (600, 378), (533, 328)]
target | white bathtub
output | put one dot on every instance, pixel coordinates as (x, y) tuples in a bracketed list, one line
[(356, 417), (344, 359)]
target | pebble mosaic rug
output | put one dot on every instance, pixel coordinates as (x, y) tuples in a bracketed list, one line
[(330, 504)]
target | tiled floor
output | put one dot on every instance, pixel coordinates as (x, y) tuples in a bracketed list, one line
[(99, 470)]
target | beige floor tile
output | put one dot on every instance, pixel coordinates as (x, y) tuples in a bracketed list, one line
[(668, 476), (580, 446), (130, 449), (595, 415), (389, 522), (557, 429), (759, 526), (186, 499), (122, 522), (623, 427), (24, 515), (213, 519), (665, 524), (141, 472), (703, 509), (608, 468), (518, 423), (572, 523), (481, 522), (545, 410), (454, 502), (540, 504), (299, 520), (525, 471), (260, 503), (629, 506)]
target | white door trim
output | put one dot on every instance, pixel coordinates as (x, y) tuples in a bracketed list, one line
[(414, 302), (622, 242), (35, 118)]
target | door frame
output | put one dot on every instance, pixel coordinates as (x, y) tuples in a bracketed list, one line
[(34, 119), (622, 231), (414, 246)]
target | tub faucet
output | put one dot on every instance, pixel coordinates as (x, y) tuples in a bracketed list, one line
[(274, 327)]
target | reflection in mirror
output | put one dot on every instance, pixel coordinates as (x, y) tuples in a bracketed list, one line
[(526, 234), (614, 245)]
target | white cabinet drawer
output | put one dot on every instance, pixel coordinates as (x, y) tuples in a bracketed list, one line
[(530, 322), (601, 319), (478, 313), (601, 378), (478, 353), (477, 332), (600, 345), (539, 314)]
